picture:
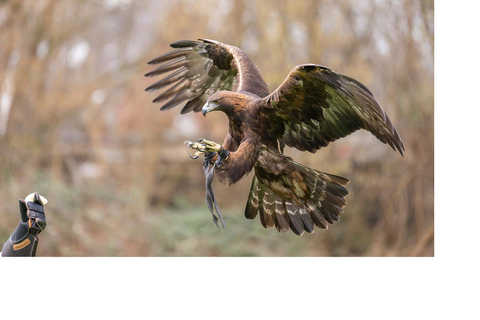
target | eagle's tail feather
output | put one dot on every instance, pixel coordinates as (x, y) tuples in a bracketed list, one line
[(322, 206)]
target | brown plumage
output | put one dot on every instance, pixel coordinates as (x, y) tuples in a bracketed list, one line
[(311, 108)]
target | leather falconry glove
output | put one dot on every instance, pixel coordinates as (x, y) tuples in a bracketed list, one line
[(24, 240)]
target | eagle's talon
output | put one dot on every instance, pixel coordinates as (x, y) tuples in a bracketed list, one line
[(195, 155), (210, 145), (189, 144), (196, 146), (204, 146)]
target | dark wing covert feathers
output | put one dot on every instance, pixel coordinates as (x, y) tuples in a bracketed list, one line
[(315, 106)]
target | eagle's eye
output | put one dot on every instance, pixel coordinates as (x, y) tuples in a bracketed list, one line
[(217, 101)]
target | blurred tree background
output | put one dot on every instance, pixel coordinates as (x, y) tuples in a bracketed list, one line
[(77, 126)]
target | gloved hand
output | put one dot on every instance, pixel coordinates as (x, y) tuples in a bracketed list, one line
[(23, 241), (32, 209)]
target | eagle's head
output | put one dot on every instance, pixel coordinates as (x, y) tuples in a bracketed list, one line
[(227, 101), (213, 103)]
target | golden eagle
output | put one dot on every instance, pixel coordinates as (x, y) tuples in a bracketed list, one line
[(312, 107)]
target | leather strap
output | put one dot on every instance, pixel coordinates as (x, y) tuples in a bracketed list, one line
[(209, 171)]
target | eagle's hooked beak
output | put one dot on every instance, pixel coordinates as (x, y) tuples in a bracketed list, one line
[(209, 106)]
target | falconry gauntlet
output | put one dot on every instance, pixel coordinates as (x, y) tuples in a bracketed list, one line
[(24, 240)]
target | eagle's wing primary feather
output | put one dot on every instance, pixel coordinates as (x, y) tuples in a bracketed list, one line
[(197, 69), (315, 106)]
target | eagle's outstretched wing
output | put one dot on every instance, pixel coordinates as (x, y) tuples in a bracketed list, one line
[(315, 106), (197, 69)]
